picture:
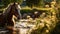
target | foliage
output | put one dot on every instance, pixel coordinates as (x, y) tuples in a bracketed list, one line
[(58, 14), (25, 11), (20, 1), (1, 11), (6, 2), (58, 1), (49, 23), (34, 3), (56, 30), (37, 31)]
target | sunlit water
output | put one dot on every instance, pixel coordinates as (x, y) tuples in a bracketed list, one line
[(23, 27)]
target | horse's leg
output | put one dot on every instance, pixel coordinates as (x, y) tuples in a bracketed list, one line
[(13, 30), (10, 27)]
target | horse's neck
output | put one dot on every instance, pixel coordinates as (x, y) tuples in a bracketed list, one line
[(7, 15)]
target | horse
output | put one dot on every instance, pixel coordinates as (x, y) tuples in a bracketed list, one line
[(6, 17)]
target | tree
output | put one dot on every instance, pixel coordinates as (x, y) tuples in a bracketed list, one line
[(6, 2), (17, 1), (58, 3), (34, 3)]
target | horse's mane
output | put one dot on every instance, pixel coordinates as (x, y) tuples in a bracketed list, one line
[(7, 9)]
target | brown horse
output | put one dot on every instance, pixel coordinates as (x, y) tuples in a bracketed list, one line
[(6, 17)]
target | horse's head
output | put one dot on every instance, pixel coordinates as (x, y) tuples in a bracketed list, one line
[(15, 10)]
